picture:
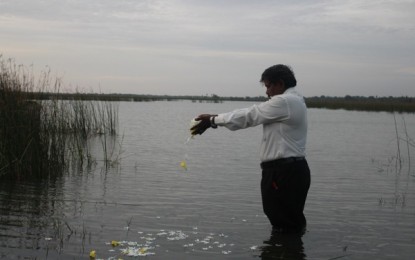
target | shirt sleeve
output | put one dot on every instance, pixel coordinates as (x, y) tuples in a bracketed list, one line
[(273, 110)]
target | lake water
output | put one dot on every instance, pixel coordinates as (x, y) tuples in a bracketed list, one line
[(360, 206)]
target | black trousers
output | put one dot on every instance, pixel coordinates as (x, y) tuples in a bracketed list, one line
[(284, 188)]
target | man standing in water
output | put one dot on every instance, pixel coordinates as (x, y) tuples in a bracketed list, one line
[(285, 172)]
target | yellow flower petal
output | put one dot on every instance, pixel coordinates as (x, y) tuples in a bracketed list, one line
[(93, 254), (183, 165)]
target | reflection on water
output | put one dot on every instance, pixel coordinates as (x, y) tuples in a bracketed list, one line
[(27, 210), (357, 207), (283, 246)]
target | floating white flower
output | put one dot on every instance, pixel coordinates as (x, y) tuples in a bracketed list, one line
[(137, 251)]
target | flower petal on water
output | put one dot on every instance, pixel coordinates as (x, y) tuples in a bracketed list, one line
[(183, 165), (134, 251), (93, 254)]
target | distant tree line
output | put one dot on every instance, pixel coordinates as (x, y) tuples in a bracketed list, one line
[(371, 103), (138, 97)]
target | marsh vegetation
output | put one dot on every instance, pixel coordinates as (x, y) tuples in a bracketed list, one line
[(398, 165), (40, 137)]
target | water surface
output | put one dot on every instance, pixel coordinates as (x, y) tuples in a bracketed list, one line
[(359, 206)]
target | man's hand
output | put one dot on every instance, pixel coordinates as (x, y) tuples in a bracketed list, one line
[(203, 125)]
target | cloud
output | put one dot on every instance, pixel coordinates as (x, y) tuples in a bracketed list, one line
[(407, 70), (167, 46)]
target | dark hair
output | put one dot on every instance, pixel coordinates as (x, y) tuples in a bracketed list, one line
[(279, 72)]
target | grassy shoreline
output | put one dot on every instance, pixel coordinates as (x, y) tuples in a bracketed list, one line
[(378, 104), (358, 103)]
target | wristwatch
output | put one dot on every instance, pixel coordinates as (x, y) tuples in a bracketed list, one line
[(212, 122)]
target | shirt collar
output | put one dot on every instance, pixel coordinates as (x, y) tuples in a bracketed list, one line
[(289, 90)]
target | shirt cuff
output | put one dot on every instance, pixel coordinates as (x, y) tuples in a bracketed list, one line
[(220, 120)]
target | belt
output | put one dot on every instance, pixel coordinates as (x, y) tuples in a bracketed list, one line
[(281, 161)]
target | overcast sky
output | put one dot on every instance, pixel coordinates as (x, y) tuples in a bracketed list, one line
[(197, 47)]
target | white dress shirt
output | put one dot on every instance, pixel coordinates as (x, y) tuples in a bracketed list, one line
[(284, 120)]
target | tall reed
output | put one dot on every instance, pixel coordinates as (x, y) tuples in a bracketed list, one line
[(396, 165), (38, 137)]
